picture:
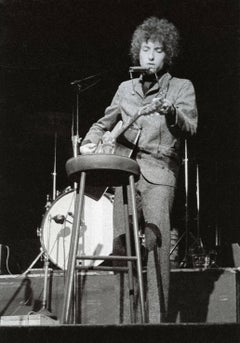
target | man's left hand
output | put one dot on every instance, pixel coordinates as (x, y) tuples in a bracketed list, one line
[(167, 108)]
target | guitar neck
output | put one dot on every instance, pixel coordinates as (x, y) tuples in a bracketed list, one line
[(120, 128)]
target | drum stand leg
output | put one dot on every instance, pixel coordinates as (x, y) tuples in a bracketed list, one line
[(44, 309)]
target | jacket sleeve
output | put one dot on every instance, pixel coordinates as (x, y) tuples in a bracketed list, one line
[(186, 109), (106, 123)]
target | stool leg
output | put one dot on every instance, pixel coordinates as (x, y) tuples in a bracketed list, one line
[(129, 253), (73, 249), (137, 247)]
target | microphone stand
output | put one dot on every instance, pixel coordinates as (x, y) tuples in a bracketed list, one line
[(78, 84), (71, 294), (44, 309)]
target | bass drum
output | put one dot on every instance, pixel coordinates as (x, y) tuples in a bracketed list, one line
[(96, 229)]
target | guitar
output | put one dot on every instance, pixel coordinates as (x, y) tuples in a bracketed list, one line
[(115, 142)]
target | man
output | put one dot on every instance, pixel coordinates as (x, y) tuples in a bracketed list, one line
[(154, 46)]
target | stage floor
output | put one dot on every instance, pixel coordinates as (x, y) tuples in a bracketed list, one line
[(196, 296)]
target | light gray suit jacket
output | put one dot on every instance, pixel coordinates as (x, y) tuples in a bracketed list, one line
[(160, 138)]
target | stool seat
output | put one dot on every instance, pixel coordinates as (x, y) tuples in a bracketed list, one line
[(103, 169)]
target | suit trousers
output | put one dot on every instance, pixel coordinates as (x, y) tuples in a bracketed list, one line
[(154, 205)]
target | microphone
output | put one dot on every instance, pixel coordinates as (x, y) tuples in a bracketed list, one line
[(140, 69), (78, 82), (59, 219)]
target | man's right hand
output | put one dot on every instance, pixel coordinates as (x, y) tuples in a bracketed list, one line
[(88, 148)]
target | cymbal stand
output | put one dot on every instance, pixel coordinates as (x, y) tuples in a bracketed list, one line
[(187, 233), (76, 140), (75, 123), (198, 238), (44, 309), (218, 242)]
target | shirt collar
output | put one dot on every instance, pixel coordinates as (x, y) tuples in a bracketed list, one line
[(159, 84)]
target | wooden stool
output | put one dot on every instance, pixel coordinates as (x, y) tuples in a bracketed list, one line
[(104, 170)]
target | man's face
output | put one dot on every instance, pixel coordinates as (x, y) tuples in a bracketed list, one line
[(152, 55)]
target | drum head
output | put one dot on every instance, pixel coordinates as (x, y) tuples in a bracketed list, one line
[(96, 231)]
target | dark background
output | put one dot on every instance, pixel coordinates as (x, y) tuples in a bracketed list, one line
[(44, 45)]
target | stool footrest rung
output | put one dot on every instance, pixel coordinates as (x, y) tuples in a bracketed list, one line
[(102, 268), (112, 257)]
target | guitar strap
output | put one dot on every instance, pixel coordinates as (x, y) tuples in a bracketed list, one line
[(164, 85)]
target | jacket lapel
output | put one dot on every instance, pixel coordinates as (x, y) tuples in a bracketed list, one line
[(138, 87)]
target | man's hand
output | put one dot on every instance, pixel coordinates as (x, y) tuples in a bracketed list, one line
[(162, 106), (88, 148), (167, 108)]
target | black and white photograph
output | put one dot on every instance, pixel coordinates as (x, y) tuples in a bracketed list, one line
[(120, 171)]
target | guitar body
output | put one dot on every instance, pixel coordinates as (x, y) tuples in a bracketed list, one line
[(125, 147)]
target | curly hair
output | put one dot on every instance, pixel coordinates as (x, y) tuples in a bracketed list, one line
[(156, 29)]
